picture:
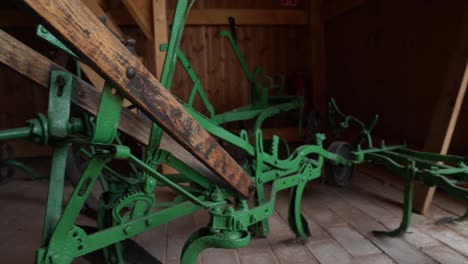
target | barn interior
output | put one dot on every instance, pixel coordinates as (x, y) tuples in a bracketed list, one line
[(357, 107)]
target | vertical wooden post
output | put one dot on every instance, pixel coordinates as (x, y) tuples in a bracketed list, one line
[(160, 33), (160, 37), (445, 117), (317, 56)]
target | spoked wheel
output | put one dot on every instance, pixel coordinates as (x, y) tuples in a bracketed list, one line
[(339, 175)]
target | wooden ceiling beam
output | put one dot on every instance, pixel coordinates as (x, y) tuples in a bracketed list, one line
[(197, 17), (142, 13), (332, 9)]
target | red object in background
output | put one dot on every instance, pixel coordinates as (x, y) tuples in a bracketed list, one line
[(288, 2)]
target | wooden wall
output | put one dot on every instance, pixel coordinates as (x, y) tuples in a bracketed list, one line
[(278, 49), (21, 99), (392, 57)]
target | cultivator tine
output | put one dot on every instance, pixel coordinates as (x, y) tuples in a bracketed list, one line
[(76, 24), (406, 217), (296, 220), (204, 238)]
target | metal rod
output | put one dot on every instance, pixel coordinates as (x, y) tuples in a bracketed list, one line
[(15, 133)]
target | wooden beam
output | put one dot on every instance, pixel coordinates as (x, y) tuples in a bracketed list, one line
[(142, 13), (160, 33), (198, 17), (317, 57), (90, 38), (95, 79), (97, 10), (334, 8), (445, 116), (36, 67)]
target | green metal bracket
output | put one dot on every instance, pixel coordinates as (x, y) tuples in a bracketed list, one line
[(43, 33)]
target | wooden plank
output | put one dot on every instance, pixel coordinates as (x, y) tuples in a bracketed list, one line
[(285, 247), (323, 215), (97, 10), (141, 11), (397, 248), (198, 17), (160, 33), (328, 251), (246, 17), (95, 79), (445, 255), (445, 117), (178, 231), (352, 241), (79, 27), (373, 259), (448, 237), (36, 67), (332, 9), (216, 17)]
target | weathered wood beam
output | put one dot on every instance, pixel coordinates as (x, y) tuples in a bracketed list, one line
[(97, 10), (90, 37), (334, 8), (160, 33), (36, 67), (142, 13)]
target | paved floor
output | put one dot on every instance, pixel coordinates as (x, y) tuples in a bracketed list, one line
[(341, 221)]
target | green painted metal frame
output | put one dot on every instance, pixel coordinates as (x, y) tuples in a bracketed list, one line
[(126, 206), (447, 172), (129, 204), (262, 105)]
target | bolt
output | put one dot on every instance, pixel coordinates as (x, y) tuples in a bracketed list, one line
[(131, 72), (103, 19)]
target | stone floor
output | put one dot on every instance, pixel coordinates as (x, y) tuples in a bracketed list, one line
[(340, 220)]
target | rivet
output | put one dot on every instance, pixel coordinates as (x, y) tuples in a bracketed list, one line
[(130, 72)]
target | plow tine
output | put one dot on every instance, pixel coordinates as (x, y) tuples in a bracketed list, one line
[(79, 27)]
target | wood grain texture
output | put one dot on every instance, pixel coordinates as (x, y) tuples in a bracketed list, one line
[(141, 11), (36, 67), (159, 23), (216, 17), (77, 25)]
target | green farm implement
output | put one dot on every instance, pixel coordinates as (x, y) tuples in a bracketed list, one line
[(90, 120), (447, 172)]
